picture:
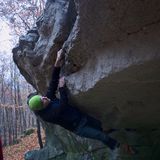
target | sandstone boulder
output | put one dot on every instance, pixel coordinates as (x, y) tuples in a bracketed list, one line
[(112, 62)]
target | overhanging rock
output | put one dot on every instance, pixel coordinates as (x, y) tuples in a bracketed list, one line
[(112, 60), (112, 57)]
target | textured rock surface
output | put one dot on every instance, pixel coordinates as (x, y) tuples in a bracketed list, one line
[(112, 57)]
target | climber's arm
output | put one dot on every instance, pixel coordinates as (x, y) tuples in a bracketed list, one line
[(51, 92), (63, 92)]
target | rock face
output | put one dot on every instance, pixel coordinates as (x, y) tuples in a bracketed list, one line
[(112, 57)]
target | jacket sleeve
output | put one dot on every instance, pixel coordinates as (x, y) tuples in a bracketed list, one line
[(63, 96), (51, 91)]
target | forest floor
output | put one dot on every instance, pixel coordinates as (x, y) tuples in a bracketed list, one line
[(17, 151)]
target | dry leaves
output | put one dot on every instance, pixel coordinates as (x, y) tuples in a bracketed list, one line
[(17, 151)]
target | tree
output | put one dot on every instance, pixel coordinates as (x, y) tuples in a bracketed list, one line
[(13, 87), (1, 152), (3, 75), (21, 15)]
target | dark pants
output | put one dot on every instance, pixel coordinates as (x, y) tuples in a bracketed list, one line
[(91, 128)]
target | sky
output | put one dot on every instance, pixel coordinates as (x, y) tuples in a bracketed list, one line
[(5, 42), (5, 37)]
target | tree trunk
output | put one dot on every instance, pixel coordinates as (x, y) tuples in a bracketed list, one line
[(19, 93), (39, 134), (4, 128), (1, 151)]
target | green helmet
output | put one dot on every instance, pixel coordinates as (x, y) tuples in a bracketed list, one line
[(35, 103)]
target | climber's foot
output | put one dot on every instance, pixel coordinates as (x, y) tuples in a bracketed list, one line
[(127, 149)]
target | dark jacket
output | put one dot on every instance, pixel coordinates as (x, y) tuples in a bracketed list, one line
[(59, 111)]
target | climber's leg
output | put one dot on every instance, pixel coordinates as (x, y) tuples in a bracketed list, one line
[(84, 130), (92, 122)]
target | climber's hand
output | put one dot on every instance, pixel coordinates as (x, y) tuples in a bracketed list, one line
[(61, 82), (60, 58)]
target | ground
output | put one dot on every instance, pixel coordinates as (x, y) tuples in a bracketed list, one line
[(17, 151)]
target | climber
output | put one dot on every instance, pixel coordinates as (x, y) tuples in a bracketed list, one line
[(58, 111)]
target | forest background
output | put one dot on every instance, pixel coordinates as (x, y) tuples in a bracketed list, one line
[(17, 17)]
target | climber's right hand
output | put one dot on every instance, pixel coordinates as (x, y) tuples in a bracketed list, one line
[(60, 58), (61, 82)]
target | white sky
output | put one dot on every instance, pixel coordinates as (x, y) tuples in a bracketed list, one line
[(5, 44)]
